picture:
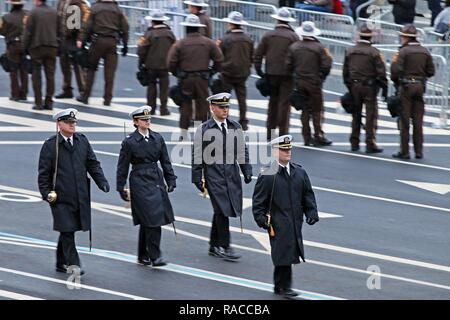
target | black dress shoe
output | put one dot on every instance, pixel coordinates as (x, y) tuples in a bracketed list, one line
[(355, 148), (164, 112), (229, 254), (153, 111), (144, 261), (400, 155), (23, 98), (14, 99), (322, 142), (106, 103), (82, 99), (159, 262), (64, 95), (287, 293), (419, 156), (309, 142), (217, 252), (64, 269), (373, 150), (36, 107), (47, 107)]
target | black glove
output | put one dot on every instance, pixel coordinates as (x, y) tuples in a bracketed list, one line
[(105, 187), (142, 67), (311, 221), (199, 186), (248, 179), (384, 93), (170, 188), (124, 50), (124, 195), (260, 73)]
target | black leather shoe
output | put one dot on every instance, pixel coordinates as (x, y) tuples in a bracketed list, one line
[(419, 156), (14, 99), (400, 155), (217, 252), (36, 107), (64, 95), (23, 98), (355, 148), (153, 111), (309, 142), (106, 103), (287, 293), (82, 100), (164, 112), (373, 150), (229, 254), (159, 262), (47, 107), (322, 142), (144, 261), (61, 268)]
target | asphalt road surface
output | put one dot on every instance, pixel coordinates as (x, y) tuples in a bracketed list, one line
[(383, 233)]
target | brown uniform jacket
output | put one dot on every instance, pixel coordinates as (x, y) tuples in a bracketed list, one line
[(106, 20), (41, 28), (194, 53), (68, 23), (274, 46), (412, 61), (309, 60), (364, 62), (205, 19), (154, 47), (237, 49), (12, 25)]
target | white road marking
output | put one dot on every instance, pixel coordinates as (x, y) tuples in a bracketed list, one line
[(69, 283), (433, 187), (16, 296)]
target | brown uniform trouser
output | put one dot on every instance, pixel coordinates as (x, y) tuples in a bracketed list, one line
[(413, 106), (314, 109), (238, 84), (367, 95), (196, 89), (18, 74), (161, 77), (103, 48), (67, 64), (279, 108), (43, 57)]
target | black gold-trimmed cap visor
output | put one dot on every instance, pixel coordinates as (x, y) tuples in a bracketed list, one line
[(283, 146)]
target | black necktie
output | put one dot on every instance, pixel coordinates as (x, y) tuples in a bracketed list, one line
[(284, 172), (224, 134), (69, 142)]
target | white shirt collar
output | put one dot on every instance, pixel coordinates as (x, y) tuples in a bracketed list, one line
[(145, 136), (288, 167), (220, 124), (65, 138)]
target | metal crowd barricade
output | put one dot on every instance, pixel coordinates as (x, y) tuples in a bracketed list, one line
[(386, 32), (255, 32), (254, 13), (166, 5), (333, 26)]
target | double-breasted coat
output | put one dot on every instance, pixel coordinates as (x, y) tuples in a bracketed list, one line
[(72, 209), (150, 204), (223, 181), (293, 197)]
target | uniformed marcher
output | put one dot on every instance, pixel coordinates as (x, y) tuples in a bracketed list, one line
[(282, 195), (197, 7), (64, 162), (310, 63), (411, 66), (219, 152), (153, 49), (12, 27), (70, 29), (237, 49), (273, 48), (40, 40), (104, 29), (150, 203), (189, 61), (364, 73)]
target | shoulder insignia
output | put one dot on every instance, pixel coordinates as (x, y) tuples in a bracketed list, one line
[(395, 57), (218, 42), (327, 52), (1, 22), (141, 41), (86, 12), (25, 19), (381, 57)]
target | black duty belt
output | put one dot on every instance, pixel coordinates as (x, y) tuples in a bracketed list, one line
[(365, 82), (412, 80), (12, 40), (139, 166)]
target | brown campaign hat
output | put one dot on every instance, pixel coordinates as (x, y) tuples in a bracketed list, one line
[(365, 31), (408, 30)]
